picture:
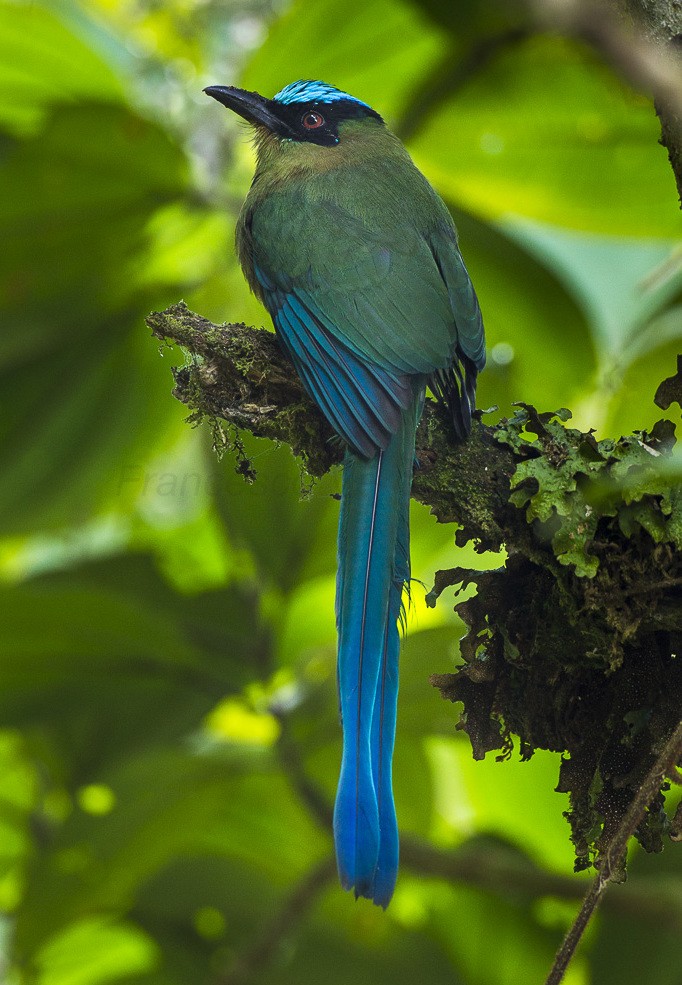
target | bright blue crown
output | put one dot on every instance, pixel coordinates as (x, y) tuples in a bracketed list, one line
[(308, 91)]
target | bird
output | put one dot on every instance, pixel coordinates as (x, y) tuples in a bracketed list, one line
[(356, 258)]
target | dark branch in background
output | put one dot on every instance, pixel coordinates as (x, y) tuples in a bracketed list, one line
[(664, 766), (263, 952), (450, 75)]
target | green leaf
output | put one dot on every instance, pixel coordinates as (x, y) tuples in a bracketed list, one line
[(643, 368), (352, 941), (77, 369), (539, 344), (111, 651), (19, 796), (169, 803), (42, 62), (95, 950), (513, 800), (619, 282), (174, 904), (567, 144), (630, 949), (421, 711), (292, 536), (523, 949)]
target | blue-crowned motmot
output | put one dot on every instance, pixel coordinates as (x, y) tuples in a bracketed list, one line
[(355, 256)]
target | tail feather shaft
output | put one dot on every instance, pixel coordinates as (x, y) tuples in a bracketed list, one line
[(373, 566), (385, 712)]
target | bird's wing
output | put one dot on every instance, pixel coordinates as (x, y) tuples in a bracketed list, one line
[(371, 279), (360, 308), (456, 385), (361, 400), (464, 304)]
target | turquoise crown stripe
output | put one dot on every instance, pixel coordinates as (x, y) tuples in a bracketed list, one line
[(309, 91)]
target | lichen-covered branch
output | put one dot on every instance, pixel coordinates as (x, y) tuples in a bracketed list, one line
[(571, 645), (241, 376)]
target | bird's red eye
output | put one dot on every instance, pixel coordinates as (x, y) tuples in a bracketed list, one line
[(311, 121)]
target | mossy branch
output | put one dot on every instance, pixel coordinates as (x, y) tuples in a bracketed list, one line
[(571, 646), (240, 375)]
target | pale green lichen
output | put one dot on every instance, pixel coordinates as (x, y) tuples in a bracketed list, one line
[(567, 482)]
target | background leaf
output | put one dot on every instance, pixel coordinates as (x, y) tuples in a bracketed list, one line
[(568, 144)]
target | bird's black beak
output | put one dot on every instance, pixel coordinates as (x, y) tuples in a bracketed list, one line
[(251, 106)]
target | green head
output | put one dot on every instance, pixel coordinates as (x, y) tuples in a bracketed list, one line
[(307, 123)]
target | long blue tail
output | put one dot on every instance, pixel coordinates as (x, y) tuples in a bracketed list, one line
[(373, 567)]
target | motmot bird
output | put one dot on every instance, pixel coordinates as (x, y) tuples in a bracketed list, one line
[(356, 259)]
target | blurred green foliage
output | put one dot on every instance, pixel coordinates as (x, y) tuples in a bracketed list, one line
[(168, 631)]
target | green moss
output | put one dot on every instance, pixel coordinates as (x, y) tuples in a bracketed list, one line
[(571, 646), (567, 482)]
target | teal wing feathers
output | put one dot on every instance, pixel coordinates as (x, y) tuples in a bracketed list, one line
[(379, 299), (361, 399), (455, 386), (464, 306)]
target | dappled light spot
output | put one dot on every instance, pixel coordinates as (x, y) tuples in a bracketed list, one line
[(502, 354), (233, 721), (97, 799)]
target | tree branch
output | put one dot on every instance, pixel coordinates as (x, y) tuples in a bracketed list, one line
[(286, 921), (612, 858), (571, 646), (240, 375)]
